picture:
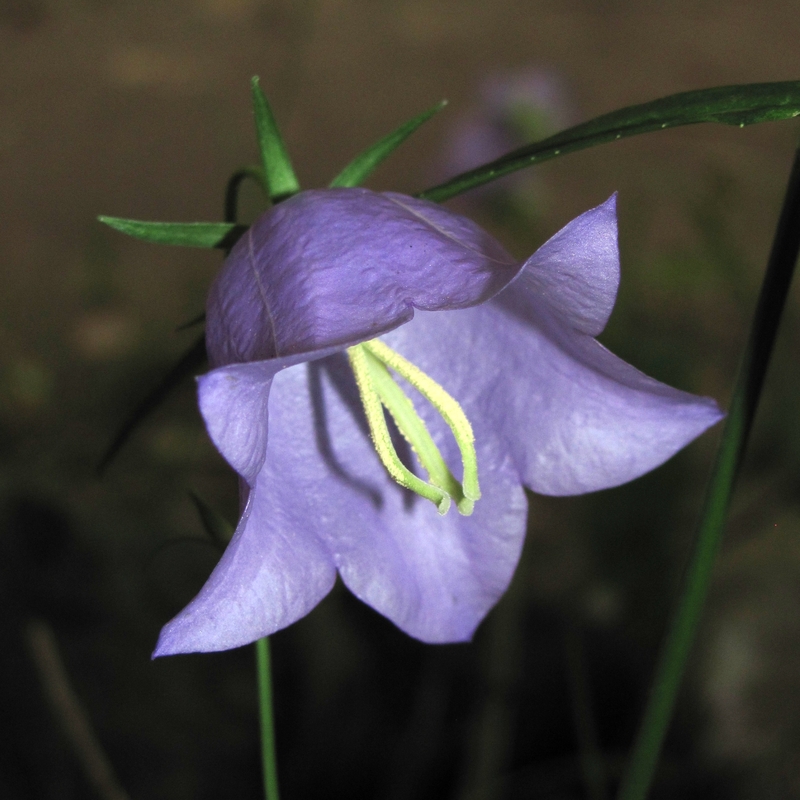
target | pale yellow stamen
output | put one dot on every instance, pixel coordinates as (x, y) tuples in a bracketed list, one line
[(378, 389)]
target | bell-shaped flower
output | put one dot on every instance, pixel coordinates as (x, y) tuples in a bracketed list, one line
[(389, 279)]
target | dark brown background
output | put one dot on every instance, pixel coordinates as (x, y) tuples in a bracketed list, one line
[(141, 109)]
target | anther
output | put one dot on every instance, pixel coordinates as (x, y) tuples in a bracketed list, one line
[(371, 362)]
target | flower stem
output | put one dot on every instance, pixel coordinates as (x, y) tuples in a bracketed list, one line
[(677, 644), (268, 760), (592, 764), (232, 189)]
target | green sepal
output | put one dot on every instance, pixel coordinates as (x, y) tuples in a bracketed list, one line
[(182, 234), (359, 169), (278, 170), (731, 105), (216, 526)]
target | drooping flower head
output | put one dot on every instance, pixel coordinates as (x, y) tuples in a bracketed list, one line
[(327, 297)]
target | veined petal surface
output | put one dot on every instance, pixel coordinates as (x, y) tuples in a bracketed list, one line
[(323, 502), (550, 407), (267, 578), (434, 576), (573, 416), (234, 403), (333, 266), (576, 270)]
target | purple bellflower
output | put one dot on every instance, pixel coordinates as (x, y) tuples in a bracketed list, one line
[(512, 108), (323, 276)]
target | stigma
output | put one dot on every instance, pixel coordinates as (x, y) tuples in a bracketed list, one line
[(373, 363)]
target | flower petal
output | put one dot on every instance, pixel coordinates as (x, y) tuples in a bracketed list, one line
[(329, 267), (272, 573), (323, 498), (435, 577), (233, 401), (577, 271), (574, 417)]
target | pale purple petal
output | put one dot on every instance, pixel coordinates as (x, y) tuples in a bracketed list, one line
[(573, 416), (434, 576), (323, 499), (233, 401), (330, 267), (550, 408), (577, 271), (273, 572)]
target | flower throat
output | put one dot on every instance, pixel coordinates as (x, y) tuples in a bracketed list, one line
[(371, 362)]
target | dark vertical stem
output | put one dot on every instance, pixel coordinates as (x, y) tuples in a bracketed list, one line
[(675, 649), (591, 759)]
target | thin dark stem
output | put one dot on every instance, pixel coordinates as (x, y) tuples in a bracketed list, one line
[(191, 360), (593, 767), (675, 649), (232, 189), (70, 713)]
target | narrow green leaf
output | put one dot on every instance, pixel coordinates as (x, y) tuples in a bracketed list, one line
[(278, 170), (357, 171), (732, 105), (192, 359), (682, 631), (182, 234)]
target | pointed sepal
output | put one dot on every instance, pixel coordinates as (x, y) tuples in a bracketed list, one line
[(278, 170), (359, 169), (215, 525), (222, 235)]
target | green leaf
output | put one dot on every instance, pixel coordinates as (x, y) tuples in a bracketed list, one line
[(676, 647), (183, 234), (732, 105), (190, 361), (278, 170), (357, 171)]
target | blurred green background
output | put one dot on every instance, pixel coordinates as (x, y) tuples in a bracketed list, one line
[(142, 109)]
